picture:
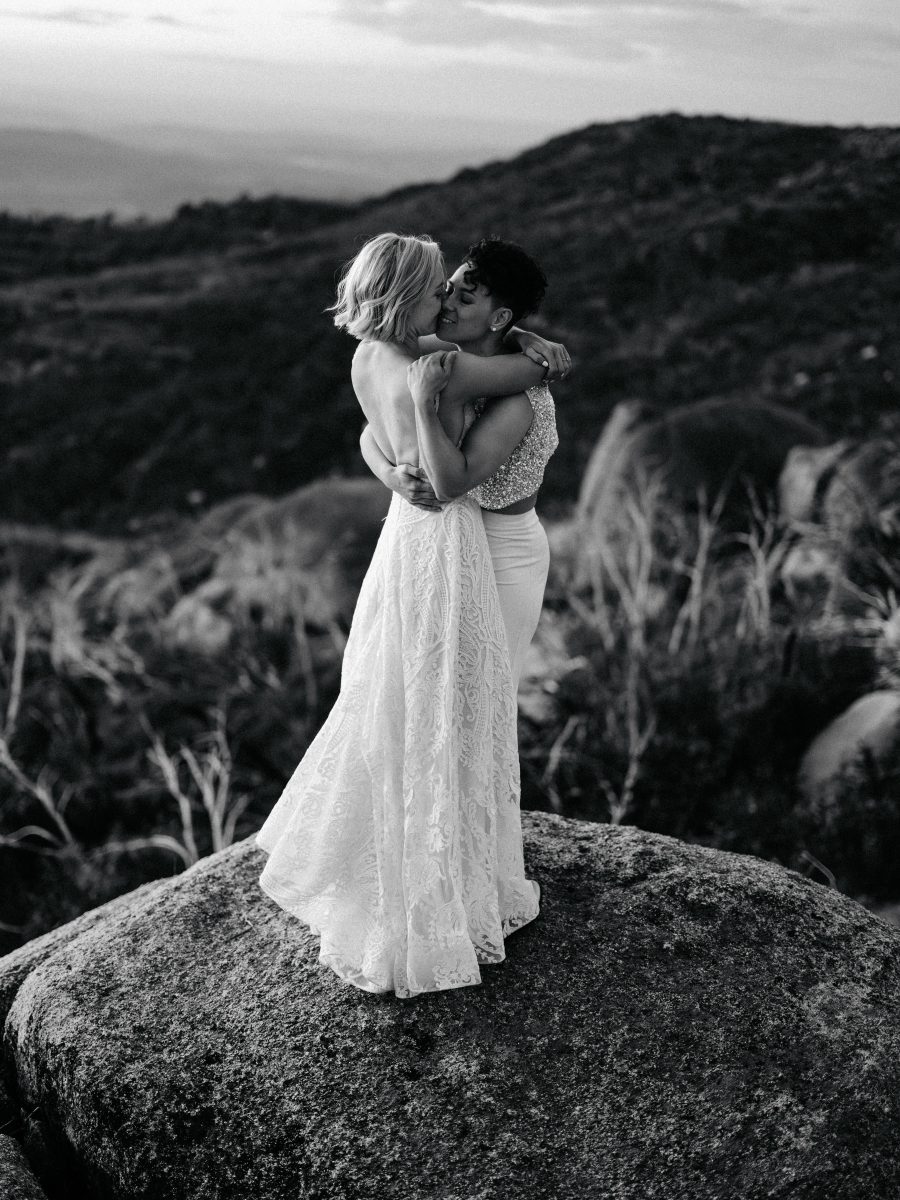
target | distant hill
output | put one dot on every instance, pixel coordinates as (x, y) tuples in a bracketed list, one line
[(136, 170), (146, 369), (50, 171)]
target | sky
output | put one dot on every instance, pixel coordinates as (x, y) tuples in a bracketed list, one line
[(498, 74)]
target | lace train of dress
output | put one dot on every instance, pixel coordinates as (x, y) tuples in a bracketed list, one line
[(398, 837)]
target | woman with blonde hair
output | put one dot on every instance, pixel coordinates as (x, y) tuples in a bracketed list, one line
[(505, 443), (398, 837)]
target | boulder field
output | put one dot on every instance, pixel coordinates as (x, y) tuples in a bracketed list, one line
[(679, 1023)]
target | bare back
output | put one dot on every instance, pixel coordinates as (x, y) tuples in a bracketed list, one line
[(378, 375)]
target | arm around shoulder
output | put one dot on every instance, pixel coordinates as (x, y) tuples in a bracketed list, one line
[(496, 375)]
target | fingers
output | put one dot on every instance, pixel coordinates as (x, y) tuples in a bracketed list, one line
[(536, 357), (431, 368), (415, 487), (561, 362)]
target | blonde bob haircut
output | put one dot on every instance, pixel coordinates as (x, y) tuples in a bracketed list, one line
[(383, 283)]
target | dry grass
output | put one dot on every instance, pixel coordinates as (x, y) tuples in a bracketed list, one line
[(671, 595), (674, 609)]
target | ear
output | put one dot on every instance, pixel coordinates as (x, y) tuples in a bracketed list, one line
[(500, 318)]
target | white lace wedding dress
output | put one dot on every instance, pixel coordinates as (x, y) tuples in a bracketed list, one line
[(398, 837)]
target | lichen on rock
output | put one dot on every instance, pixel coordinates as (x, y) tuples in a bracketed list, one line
[(17, 1182), (678, 1023)]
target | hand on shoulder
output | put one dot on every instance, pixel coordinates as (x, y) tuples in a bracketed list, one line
[(429, 374)]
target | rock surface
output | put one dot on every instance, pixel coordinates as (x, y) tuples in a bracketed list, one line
[(678, 1024), (17, 1181), (870, 724), (18, 965), (806, 472), (843, 503)]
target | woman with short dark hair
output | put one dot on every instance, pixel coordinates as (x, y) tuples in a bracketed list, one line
[(494, 450)]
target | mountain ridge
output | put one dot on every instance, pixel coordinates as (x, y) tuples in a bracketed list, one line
[(145, 172), (687, 256)]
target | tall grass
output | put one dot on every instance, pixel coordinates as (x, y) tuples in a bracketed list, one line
[(698, 681), (688, 683), (117, 745)]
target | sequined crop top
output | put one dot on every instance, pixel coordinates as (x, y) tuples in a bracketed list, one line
[(523, 472)]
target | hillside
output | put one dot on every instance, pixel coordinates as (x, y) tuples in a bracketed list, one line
[(157, 368), (76, 172)]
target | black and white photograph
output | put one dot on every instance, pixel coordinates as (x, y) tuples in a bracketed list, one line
[(450, 600)]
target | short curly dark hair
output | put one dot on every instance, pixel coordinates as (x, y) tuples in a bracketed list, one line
[(509, 274)]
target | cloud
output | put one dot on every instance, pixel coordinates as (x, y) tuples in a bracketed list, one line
[(165, 19), (631, 30), (101, 18), (77, 16), (484, 23)]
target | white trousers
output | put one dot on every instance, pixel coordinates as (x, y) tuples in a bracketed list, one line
[(520, 553)]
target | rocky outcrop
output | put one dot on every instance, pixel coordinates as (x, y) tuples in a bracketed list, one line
[(711, 446), (253, 560), (19, 964), (843, 503), (17, 1181), (678, 1023), (806, 471), (871, 726)]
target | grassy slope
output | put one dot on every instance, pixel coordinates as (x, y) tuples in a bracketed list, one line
[(688, 257)]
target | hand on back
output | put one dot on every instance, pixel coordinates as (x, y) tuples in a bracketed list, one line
[(411, 483)]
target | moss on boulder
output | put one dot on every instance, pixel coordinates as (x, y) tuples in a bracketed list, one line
[(678, 1023)]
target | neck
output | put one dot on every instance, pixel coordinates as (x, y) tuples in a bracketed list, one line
[(409, 344), (486, 346)]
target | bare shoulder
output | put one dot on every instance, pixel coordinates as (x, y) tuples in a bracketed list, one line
[(379, 368), (379, 356)]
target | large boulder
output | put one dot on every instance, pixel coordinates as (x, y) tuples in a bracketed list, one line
[(301, 557), (864, 488), (803, 478), (17, 1181), (871, 725), (678, 1022), (843, 503), (330, 520), (712, 446)]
